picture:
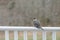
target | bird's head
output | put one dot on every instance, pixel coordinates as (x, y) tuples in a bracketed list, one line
[(34, 19)]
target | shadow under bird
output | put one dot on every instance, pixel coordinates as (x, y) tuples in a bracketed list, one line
[(37, 24)]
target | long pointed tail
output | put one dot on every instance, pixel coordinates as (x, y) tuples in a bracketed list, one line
[(40, 28)]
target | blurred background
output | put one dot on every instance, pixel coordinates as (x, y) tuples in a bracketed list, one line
[(21, 12)]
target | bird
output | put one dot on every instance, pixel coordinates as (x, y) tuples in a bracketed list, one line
[(36, 23)]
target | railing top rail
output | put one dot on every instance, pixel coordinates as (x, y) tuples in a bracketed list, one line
[(28, 28)]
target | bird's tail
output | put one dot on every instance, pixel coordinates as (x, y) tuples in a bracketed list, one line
[(41, 28)]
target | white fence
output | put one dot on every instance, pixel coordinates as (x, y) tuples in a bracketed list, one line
[(25, 29)]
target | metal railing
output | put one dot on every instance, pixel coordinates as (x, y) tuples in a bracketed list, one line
[(25, 29)]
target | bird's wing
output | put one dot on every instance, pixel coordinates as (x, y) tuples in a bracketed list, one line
[(36, 23)]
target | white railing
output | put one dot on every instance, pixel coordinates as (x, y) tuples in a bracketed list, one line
[(25, 29)]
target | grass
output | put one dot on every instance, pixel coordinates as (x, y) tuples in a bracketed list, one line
[(39, 36)]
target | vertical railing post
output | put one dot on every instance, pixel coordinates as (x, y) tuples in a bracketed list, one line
[(53, 35), (44, 35), (15, 35), (6, 35), (25, 35), (34, 35)]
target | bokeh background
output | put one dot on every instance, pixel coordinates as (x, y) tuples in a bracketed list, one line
[(21, 12)]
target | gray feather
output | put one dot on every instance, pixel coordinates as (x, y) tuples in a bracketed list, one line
[(36, 24)]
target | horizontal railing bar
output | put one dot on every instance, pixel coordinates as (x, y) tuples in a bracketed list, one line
[(24, 28)]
